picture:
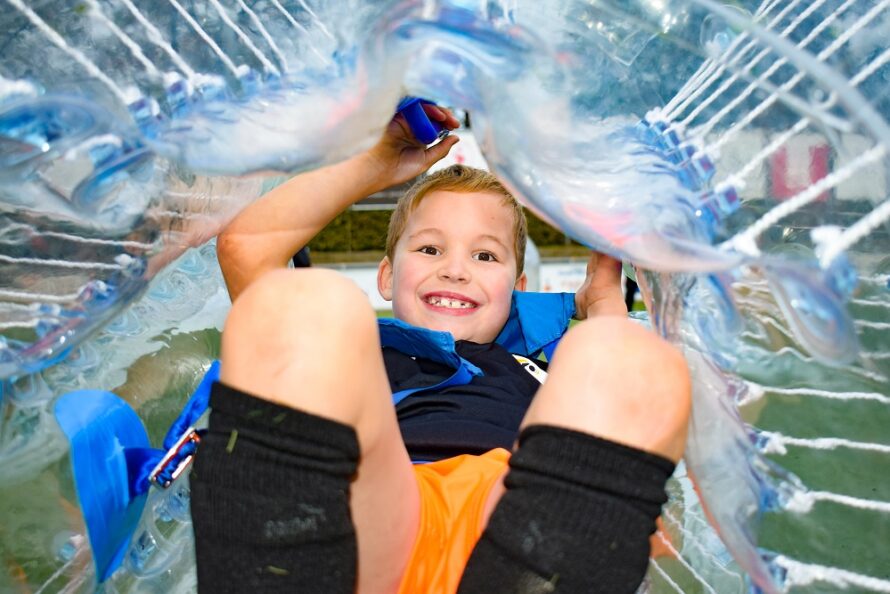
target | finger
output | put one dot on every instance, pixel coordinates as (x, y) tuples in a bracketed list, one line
[(440, 149), (609, 260), (602, 260), (611, 264), (593, 262), (441, 115), (452, 122), (435, 112)]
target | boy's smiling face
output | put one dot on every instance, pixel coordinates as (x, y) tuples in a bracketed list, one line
[(454, 266)]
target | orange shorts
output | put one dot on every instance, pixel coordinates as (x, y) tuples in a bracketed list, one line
[(453, 493)]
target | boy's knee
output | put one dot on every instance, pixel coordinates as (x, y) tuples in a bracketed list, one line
[(291, 335), (614, 378), (626, 347)]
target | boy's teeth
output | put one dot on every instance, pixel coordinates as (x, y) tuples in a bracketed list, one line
[(449, 303)]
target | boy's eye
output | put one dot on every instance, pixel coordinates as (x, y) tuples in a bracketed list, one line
[(485, 257), (429, 250)]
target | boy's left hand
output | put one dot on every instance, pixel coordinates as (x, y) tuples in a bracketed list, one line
[(600, 294)]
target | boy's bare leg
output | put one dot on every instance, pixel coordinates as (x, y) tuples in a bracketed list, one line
[(586, 482), (308, 340)]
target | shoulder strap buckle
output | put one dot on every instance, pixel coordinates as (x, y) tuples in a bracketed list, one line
[(177, 459)]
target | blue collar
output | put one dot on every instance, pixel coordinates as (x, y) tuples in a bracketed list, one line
[(537, 321)]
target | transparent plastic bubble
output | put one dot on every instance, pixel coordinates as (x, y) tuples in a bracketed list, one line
[(699, 141)]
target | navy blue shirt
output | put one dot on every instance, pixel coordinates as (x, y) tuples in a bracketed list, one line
[(463, 419)]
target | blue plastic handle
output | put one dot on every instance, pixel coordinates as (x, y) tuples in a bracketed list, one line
[(424, 129)]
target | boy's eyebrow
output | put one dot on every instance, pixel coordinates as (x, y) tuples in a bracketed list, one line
[(496, 239), (435, 231), (427, 231)]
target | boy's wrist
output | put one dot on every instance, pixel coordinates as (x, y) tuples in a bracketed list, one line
[(370, 174), (378, 171), (604, 306), (609, 307)]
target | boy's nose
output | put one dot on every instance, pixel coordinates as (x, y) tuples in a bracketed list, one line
[(454, 270)]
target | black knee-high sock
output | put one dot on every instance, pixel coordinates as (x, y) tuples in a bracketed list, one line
[(270, 499), (576, 518)]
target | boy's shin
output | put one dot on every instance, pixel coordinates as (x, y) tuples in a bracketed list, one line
[(270, 499), (576, 517)]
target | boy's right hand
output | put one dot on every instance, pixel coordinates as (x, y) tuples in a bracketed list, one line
[(401, 157), (600, 294)]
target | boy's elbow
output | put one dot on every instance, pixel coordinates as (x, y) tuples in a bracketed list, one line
[(227, 245), (238, 263), (229, 251)]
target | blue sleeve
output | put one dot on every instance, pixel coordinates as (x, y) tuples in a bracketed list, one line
[(537, 321)]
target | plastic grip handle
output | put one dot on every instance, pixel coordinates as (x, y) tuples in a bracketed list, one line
[(424, 129)]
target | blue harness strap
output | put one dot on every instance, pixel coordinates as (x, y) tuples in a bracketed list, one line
[(176, 448), (107, 439), (194, 408), (461, 377), (112, 462)]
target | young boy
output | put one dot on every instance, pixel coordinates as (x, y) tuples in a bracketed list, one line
[(304, 481)]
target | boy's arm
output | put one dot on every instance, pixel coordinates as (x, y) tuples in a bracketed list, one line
[(600, 294), (268, 232)]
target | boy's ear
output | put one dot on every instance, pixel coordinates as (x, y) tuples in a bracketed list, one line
[(521, 282), (384, 279)]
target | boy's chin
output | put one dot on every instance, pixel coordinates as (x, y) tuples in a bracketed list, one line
[(461, 328), (462, 332)]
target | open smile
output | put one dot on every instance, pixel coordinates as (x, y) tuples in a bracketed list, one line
[(450, 303)]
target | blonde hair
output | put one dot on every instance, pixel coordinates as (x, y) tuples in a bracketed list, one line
[(457, 178)]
